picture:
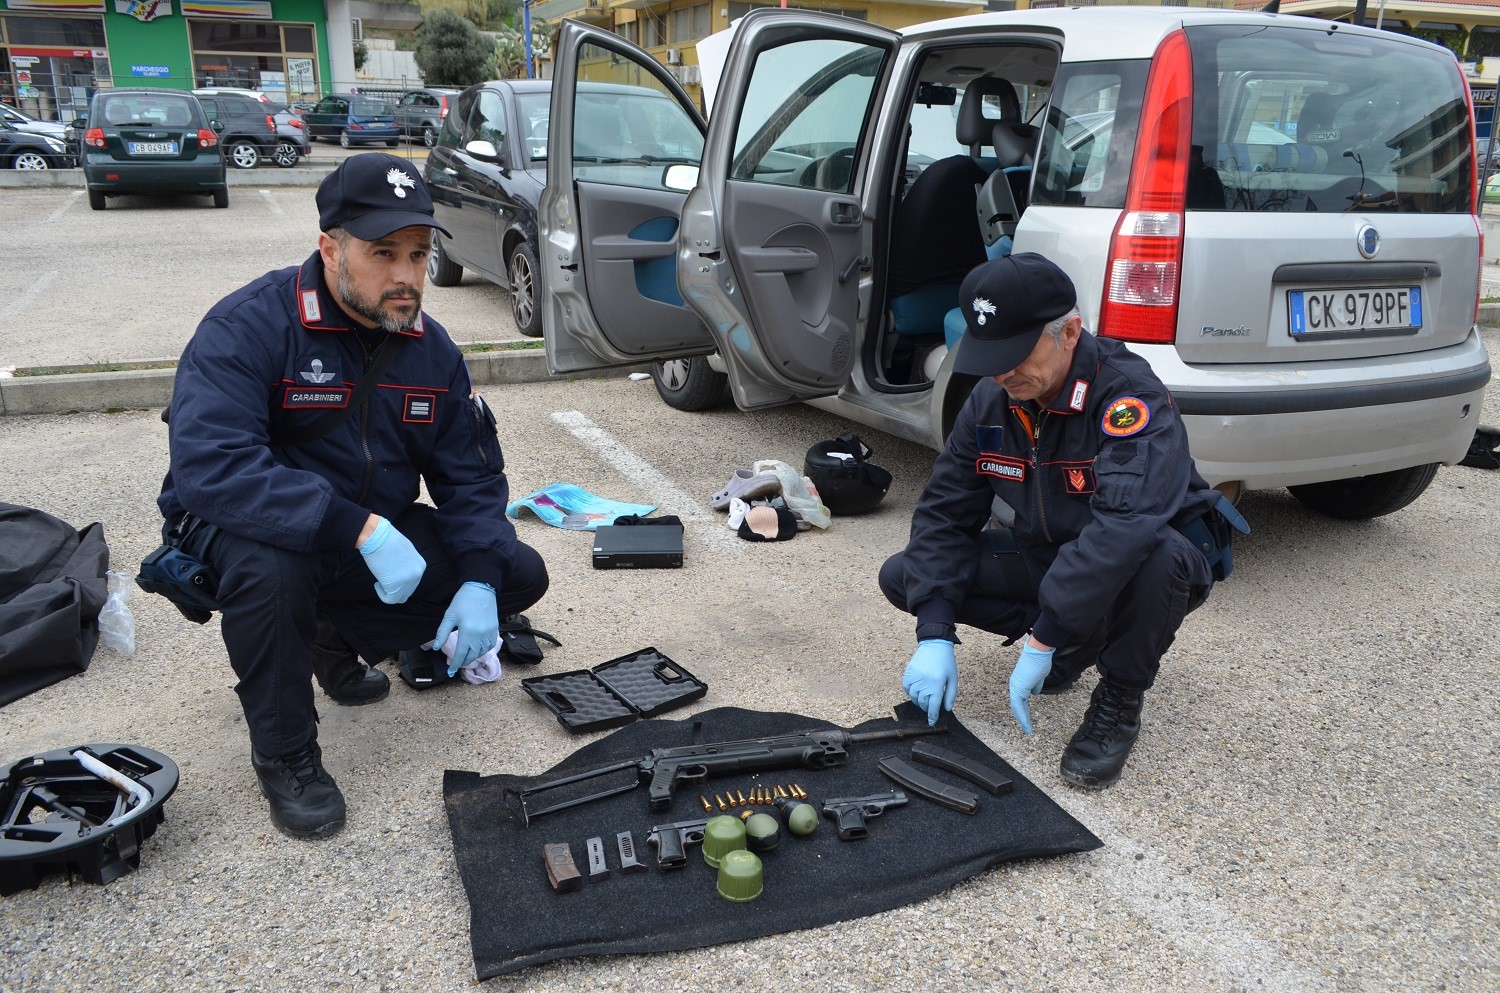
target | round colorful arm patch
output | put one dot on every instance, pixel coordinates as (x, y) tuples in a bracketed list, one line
[(1125, 417)]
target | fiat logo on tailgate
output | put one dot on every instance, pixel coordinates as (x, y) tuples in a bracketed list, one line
[(1368, 240)]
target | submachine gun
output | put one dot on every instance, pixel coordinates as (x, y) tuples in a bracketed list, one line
[(662, 769)]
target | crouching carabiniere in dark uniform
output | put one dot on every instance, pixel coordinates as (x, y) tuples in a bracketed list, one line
[(323, 553), (1081, 439)]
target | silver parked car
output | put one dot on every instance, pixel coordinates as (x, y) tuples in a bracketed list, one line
[(1279, 213)]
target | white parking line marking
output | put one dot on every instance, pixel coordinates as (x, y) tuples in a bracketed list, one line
[(275, 207), (37, 288), (1168, 900), (72, 199), (667, 495)]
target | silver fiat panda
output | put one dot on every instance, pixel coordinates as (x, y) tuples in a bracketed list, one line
[(1279, 213)]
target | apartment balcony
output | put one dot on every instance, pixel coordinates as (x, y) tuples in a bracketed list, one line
[(588, 11)]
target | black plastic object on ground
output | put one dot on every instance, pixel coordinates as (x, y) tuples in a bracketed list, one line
[(846, 483), (58, 816), (516, 920), (617, 692), (1484, 449)]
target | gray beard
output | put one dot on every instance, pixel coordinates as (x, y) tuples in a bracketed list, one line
[(371, 310)]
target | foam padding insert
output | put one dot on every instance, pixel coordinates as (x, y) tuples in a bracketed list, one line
[(912, 852)]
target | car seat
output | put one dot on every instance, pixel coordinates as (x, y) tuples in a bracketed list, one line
[(178, 116), (934, 244)]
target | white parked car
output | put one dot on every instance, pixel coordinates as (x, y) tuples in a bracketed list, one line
[(1280, 213)]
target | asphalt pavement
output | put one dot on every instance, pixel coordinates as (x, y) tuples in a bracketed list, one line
[(1312, 805)]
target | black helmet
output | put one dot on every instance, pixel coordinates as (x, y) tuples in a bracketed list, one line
[(846, 483)]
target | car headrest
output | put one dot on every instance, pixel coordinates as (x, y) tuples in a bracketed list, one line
[(974, 128), (1015, 143)]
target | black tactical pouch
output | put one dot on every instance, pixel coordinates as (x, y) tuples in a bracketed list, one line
[(181, 576)]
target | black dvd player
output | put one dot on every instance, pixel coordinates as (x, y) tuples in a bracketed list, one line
[(638, 546)]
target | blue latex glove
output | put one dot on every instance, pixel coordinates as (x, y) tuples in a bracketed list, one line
[(395, 562), (1026, 679), (474, 614), (931, 678)]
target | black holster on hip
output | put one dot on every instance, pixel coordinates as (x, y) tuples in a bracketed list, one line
[(179, 575)]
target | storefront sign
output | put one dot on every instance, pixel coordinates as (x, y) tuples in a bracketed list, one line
[(238, 10), (23, 77), (151, 72), (59, 6), (299, 75), (144, 10)]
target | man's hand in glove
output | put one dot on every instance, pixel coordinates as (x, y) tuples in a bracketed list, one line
[(931, 678), (394, 561), (473, 614), (1026, 679)]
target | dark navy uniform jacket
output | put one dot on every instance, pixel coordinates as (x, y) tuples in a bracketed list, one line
[(278, 355), (1094, 479)]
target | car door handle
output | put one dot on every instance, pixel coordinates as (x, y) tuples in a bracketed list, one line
[(788, 260), (845, 212), (633, 249)]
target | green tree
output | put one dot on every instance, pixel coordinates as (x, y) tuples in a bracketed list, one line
[(361, 54), (451, 51)]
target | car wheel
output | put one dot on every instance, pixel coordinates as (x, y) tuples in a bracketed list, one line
[(1364, 497), (221, 197), (523, 279), (96, 200), (689, 384), (244, 155), (442, 270), (428, 138), (344, 140), (32, 161), (286, 154)]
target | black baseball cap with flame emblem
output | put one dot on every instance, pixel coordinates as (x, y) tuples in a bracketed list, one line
[(374, 194)]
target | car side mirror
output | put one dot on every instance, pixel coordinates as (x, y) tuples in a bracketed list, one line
[(485, 151), (217, 126), (680, 176)]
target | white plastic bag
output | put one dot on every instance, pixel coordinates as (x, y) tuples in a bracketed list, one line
[(116, 622), (798, 492)]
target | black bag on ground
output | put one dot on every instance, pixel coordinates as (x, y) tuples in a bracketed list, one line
[(52, 587)]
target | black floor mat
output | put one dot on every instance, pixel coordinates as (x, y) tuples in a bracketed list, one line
[(912, 852)]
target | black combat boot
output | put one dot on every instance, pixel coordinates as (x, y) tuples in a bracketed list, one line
[(305, 801), (1096, 756), (1073, 661), (341, 673)]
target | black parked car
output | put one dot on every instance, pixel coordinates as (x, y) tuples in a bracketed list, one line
[(486, 174), (151, 141), (420, 113), (249, 133), (28, 150)]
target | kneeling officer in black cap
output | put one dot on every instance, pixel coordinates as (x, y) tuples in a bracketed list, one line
[(1078, 435), (322, 552)]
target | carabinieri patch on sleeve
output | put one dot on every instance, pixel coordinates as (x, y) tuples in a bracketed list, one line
[(1125, 417)]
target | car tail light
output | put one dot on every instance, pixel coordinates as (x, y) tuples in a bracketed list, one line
[(356, 126), (443, 109), (95, 138), (296, 122), (1144, 271), (207, 138), (270, 124)]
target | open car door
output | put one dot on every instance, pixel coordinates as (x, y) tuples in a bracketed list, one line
[(773, 234), (619, 125)]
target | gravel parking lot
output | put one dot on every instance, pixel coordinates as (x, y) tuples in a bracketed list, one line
[(1312, 804)]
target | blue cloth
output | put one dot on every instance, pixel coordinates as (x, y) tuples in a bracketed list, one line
[(573, 508)]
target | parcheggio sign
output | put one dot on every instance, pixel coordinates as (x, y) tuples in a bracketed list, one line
[(151, 72)]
